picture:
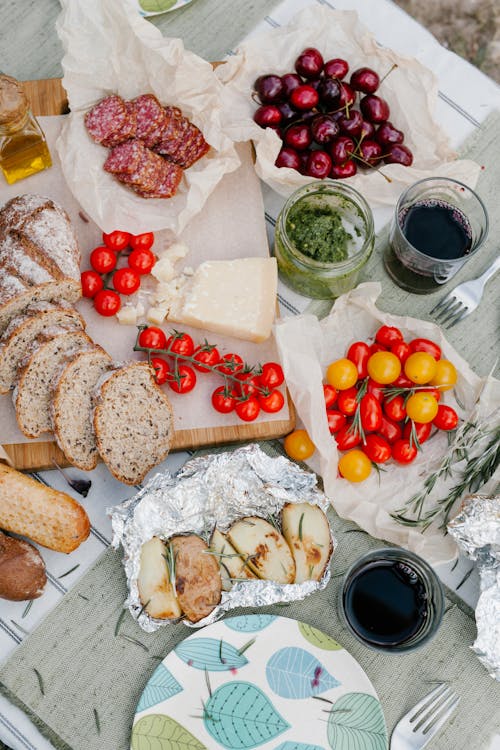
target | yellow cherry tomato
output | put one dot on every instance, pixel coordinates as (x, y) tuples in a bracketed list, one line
[(298, 445), (355, 466), (445, 376), (422, 407), (342, 374), (420, 367), (384, 367)]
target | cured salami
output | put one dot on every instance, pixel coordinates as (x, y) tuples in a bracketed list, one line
[(106, 118), (127, 130), (167, 184), (145, 176), (149, 113), (125, 158)]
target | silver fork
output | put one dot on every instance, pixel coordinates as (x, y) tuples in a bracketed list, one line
[(462, 300), (416, 729)]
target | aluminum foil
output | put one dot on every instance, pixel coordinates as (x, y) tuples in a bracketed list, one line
[(476, 529), (209, 491)]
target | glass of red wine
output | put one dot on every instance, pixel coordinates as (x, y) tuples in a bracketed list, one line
[(439, 224), (391, 600)]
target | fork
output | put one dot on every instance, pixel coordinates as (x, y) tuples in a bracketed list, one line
[(416, 729), (462, 300)]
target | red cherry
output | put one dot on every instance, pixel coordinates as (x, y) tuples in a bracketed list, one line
[(288, 157), (348, 169), (290, 82), (367, 129), (309, 63), (399, 154), (370, 151), (267, 115), (336, 68), (329, 90), (324, 128), (347, 96), (341, 149), (298, 136), (387, 134), (304, 157), (374, 108), (287, 113), (351, 124), (269, 88), (304, 97), (319, 165), (365, 80)]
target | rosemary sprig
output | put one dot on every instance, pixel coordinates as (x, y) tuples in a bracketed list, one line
[(301, 521), (97, 721), (40, 681), (171, 560), (119, 621), (69, 571)]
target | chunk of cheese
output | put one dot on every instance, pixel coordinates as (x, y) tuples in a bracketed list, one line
[(232, 297)]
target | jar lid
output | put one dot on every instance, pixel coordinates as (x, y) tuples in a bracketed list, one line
[(13, 100)]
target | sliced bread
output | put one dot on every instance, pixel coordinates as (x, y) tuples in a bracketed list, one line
[(133, 422), (33, 390), (72, 407), (22, 331)]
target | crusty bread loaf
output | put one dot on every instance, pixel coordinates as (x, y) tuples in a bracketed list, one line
[(72, 407), (22, 331), (133, 422), (22, 570), (39, 255), (48, 517), (32, 394)]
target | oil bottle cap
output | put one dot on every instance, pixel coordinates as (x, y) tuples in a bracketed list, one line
[(13, 100)]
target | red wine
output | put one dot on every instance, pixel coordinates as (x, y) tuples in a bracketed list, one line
[(385, 602), (437, 229)]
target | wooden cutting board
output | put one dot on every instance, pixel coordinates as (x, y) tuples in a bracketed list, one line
[(48, 97)]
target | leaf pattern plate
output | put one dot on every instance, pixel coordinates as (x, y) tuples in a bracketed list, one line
[(254, 681)]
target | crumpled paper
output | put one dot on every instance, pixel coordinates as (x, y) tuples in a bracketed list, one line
[(410, 89), (109, 49), (307, 346), (476, 530)]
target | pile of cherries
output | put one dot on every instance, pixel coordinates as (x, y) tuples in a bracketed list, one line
[(313, 112)]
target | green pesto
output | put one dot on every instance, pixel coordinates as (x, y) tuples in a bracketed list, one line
[(316, 230)]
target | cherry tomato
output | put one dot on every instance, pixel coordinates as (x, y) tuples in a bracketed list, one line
[(422, 430), (446, 418), (91, 283), (249, 409), (152, 338), (161, 368), (273, 402), (142, 241), (355, 466), (298, 445), (446, 375), (336, 420), (384, 367), (390, 429), (102, 259), (342, 374), (185, 380), (223, 400), (359, 353), (394, 408), (141, 261), (421, 407), (346, 401), (420, 367), (330, 395), (388, 336), (402, 351), (107, 302), (180, 343), (206, 354), (230, 364), (403, 452), (370, 413), (249, 385), (376, 347), (375, 389), (347, 438), (403, 382), (376, 448), (272, 375), (126, 281), (116, 240), (426, 345)]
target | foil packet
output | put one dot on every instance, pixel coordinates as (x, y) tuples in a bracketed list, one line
[(476, 530), (215, 490)]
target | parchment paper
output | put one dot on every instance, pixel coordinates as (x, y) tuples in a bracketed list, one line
[(109, 49), (410, 89), (307, 346)]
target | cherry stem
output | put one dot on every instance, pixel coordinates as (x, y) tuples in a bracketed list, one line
[(377, 169), (388, 73)]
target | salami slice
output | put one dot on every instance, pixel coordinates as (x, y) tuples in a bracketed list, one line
[(146, 176), (127, 130), (199, 148), (149, 112), (106, 118), (167, 184), (155, 136), (172, 136), (125, 158)]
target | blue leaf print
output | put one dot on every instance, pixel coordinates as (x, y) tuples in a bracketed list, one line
[(295, 673), (298, 746), (212, 654), (161, 686), (356, 722), (239, 715), (249, 623)]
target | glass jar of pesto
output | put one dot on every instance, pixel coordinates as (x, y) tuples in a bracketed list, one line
[(324, 235)]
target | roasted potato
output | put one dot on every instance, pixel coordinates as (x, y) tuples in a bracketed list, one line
[(22, 570), (198, 583), (232, 564), (265, 549), (155, 588), (307, 531)]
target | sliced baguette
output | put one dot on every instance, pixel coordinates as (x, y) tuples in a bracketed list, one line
[(72, 406), (307, 531), (264, 548), (22, 570), (133, 422)]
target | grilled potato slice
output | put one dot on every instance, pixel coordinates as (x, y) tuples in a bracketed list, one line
[(155, 588), (232, 564), (264, 548), (198, 582), (307, 531)]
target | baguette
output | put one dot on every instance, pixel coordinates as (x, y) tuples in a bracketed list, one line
[(22, 570), (48, 517)]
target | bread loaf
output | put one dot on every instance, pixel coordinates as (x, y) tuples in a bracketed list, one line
[(22, 570)]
